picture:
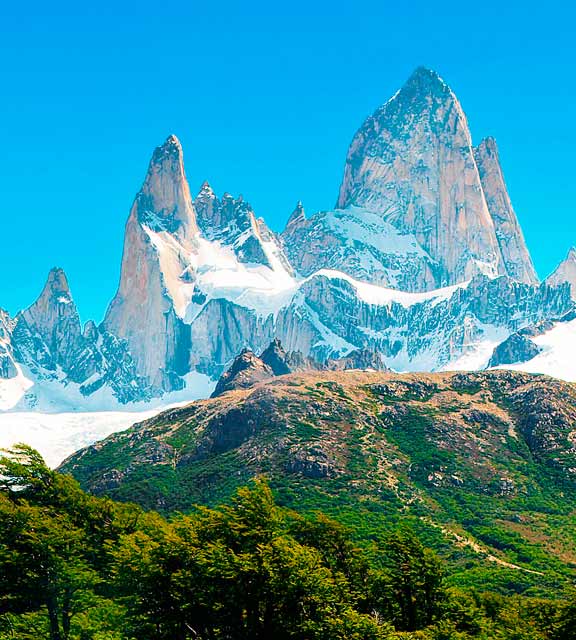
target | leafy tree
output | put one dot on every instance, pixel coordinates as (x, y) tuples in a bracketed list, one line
[(410, 590)]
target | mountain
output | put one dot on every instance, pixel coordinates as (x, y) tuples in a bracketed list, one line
[(183, 261), (422, 208), (422, 266), (419, 207), (50, 362), (487, 459)]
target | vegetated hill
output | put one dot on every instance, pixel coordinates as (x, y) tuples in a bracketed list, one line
[(482, 464)]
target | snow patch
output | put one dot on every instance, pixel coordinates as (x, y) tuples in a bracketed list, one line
[(558, 355)]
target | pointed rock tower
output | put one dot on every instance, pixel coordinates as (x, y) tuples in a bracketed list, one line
[(517, 260), (49, 331), (161, 232), (297, 217), (565, 272), (413, 163)]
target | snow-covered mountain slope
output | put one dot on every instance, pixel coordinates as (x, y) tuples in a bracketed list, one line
[(358, 242), (452, 328), (58, 419), (557, 353)]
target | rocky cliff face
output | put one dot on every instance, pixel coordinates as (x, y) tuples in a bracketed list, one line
[(413, 163), (7, 365), (515, 349), (52, 325), (456, 327), (232, 222), (177, 255), (361, 243), (246, 370)]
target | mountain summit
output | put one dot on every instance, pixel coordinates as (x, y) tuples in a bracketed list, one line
[(413, 163)]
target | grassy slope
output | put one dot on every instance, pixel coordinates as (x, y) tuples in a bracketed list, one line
[(481, 464)]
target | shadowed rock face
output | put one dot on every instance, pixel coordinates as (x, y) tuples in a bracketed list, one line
[(7, 365), (517, 348), (358, 359), (276, 358), (55, 320)]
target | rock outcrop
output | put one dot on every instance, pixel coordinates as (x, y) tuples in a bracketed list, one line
[(362, 359), (7, 365), (233, 223), (246, 370), (160, 233), (515, 349), (52, 325)]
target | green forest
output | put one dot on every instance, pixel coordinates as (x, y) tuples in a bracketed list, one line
[(77, 567)]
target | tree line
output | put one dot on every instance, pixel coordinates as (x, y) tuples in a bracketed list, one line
[(77, 567)]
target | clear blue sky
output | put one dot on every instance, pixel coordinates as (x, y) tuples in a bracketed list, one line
[(265, 99)]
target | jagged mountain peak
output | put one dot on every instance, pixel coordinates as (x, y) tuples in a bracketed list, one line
[(515, 256), (171, 147), (426, 80), (276, 357), (565, 272), (164, 203), (413, 164), (56, 284), (297, 216), (246, 370), (206, 190), (488, 145)]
